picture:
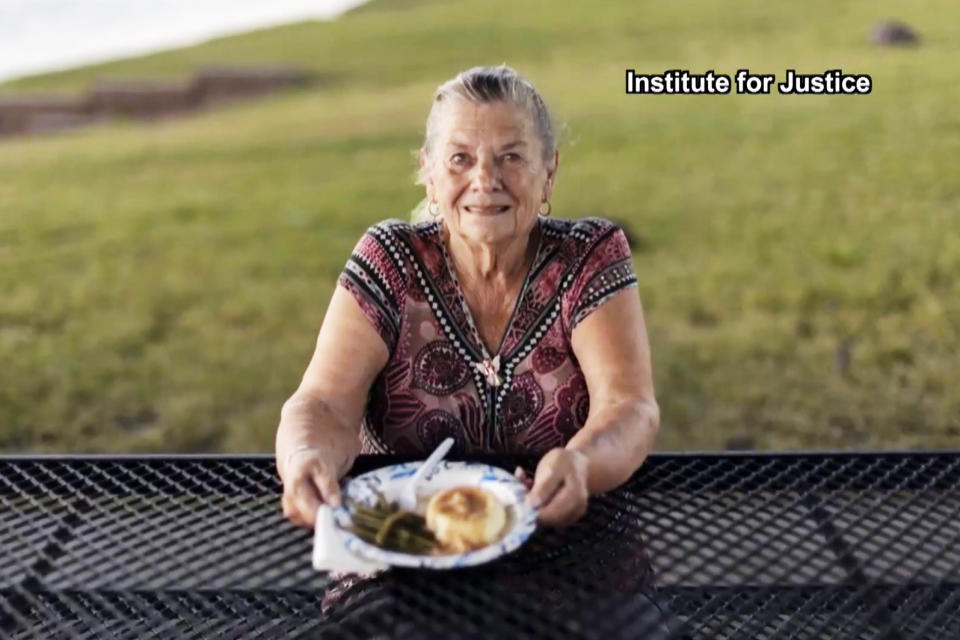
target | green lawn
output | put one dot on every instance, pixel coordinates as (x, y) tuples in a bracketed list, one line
[(799, 258)]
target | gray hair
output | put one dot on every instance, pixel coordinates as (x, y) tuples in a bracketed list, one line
[(491, 84)]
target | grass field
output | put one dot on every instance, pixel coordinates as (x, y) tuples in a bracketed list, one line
[(799, 256)]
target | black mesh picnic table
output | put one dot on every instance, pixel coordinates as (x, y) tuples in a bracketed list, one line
[(819, 545)]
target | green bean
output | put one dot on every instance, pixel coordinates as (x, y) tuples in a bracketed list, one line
[(414, 538), (408, 546), (364, 530), (372, 521), (387, 526), (358, 507)]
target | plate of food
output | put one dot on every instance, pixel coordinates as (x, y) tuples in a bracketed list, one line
[(466, 514)]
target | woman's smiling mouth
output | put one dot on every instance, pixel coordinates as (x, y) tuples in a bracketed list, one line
[(486, 210)]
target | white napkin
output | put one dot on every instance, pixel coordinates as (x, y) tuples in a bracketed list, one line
[(329, 552)]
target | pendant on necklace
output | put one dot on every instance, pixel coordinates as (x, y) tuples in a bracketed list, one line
[(490, 370)]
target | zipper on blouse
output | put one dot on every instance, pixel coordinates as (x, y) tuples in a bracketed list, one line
[(491, 416)]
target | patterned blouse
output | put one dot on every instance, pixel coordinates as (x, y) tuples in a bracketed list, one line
[(440, 379)]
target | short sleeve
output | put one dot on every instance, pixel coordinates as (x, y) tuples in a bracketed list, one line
[(376, 276), (605, 269)]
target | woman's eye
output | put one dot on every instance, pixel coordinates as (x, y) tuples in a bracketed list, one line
[(513, 158), (459, 158)]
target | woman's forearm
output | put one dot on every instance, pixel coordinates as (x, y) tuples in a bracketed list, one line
[(308, 421), (616, 440)]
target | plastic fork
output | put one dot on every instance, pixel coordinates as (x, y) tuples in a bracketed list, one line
[(407, 500)]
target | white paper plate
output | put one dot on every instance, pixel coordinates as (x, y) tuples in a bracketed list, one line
[(390, 480)]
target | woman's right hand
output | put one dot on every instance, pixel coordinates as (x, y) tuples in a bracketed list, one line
[(310, 478)]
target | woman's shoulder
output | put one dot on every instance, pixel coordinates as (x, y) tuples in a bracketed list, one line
[(394, 229), (582, 234), (403, 247), (579, 228), (598, 254)]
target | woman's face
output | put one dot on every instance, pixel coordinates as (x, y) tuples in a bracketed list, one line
[(486, 171)]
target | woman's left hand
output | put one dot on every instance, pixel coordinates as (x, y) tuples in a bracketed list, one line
[(559, 487)]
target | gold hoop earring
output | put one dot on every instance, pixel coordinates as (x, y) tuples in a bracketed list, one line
[(434, 209), (549, 208)]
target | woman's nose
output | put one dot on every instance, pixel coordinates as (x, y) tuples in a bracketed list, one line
[(486, 175)]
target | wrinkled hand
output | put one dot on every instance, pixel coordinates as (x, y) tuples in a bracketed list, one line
[(559, 487), (311, 478)]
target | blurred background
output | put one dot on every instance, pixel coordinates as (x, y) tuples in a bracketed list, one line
[(172, 224)]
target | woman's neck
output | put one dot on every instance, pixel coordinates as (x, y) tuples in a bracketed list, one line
[(505, 262)]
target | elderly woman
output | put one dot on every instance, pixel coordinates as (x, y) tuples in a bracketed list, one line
[(493, 323)]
